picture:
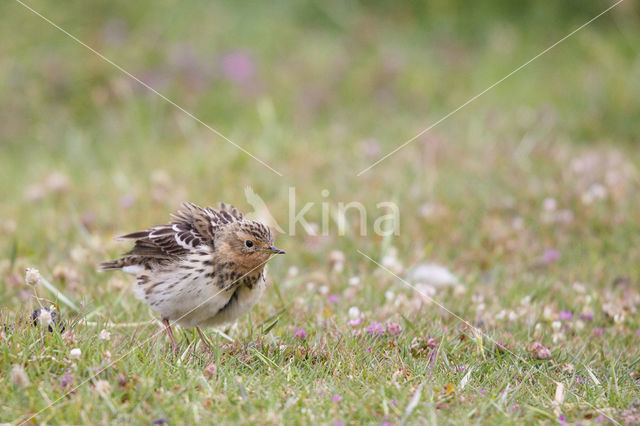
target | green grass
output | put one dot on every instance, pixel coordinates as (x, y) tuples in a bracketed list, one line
[(329, 81)]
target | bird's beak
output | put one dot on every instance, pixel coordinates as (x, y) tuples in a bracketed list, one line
[(274, 250)]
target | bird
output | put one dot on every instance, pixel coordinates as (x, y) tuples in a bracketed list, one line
[(205, 268)]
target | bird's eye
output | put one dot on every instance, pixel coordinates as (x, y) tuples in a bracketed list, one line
[(248, 243)]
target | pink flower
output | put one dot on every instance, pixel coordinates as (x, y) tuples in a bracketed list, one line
[(127, 201), (375, 329), (354, 322), (211, 370), (336, 398), (299, 333), (539, 351), (550, 255), (566, 315), (394, 329), (238, 67), (334, 298), (432, 343)]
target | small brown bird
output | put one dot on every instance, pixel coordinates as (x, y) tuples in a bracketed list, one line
[(205, 268)]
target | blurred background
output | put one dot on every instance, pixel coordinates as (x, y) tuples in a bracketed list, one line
[(319, 91), (526, 200)]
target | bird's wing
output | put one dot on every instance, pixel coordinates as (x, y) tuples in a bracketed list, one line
[(192, 227)]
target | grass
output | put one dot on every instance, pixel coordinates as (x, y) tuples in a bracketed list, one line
[(527, 195)]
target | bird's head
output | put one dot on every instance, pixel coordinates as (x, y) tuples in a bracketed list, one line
[(248, 244)]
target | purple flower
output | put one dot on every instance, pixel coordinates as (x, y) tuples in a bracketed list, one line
[(375, 329), (598, 331), (334, 298), (299, 333), (355, 322), (127, 201), (238, 67), (66, 379), (394, 329), (587, 316), (386, 423), (550, 255), (562, 419), (336, 398), (337, 422), (566, 315)]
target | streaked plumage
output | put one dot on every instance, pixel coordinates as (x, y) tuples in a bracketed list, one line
[(205, 268)]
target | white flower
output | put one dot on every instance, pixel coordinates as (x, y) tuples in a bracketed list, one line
[(337, 259), (57, 182), (433, 274), (44, 318), (594, 193), (336, 256), (354, 312), (104, 335), (550, 204), (293, 271), (517, 223), (354, 281), (579, 287), (69, 337), (389, 295), (32, 277), (19, 376), (389, 261), (75, 353), (324, 290), (556, 325), (79, 254), (103, 387)]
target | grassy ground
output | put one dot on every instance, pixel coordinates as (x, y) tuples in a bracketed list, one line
[(529, 195)]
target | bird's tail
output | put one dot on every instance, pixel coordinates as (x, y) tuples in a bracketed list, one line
[(114, 264)]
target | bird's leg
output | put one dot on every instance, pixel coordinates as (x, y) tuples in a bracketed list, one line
[(170, 333), (204, 341)]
